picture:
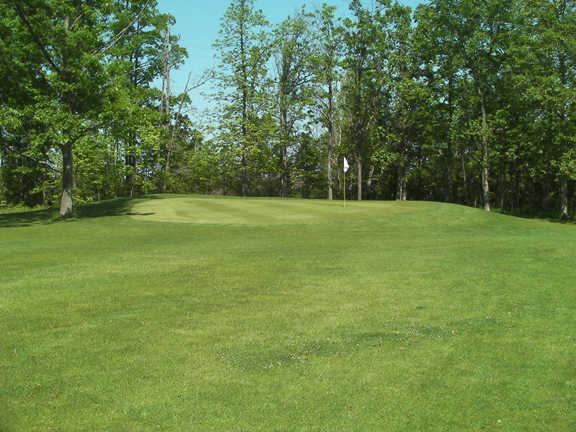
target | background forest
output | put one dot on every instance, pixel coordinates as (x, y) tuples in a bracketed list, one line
[(465, 101)]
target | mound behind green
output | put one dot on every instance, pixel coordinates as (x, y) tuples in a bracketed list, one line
[(215, 314)]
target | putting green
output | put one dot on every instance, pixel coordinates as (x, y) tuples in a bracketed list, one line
[(274, 211)]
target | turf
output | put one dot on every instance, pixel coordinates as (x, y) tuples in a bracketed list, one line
[(182, 313)]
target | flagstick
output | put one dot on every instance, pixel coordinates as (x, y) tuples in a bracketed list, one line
[(344, 188), (345, 166)]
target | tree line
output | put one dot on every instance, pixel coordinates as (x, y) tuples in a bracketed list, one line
[(464, 101)]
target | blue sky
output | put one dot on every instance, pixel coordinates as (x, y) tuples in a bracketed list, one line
[(198, 22)]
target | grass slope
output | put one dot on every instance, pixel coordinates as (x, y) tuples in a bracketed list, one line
[(216, 314)]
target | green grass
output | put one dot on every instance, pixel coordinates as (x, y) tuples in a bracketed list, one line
[(225, 314)]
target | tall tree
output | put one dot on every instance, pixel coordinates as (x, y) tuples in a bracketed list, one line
[(477, 32), (359, 45), (244, 50), (550, 69), (68, 36), (326, 67), (292, 44), (142, 52)]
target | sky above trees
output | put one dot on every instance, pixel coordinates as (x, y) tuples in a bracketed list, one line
[(198, 22)]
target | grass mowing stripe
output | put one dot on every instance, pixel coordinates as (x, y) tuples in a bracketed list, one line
[(380, 316)]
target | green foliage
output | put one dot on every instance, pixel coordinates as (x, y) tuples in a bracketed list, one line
[(568, 164), (244, 50), (85, 71), (457, 100)]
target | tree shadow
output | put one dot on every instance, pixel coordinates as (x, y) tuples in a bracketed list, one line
[(114, 207), (27, 218)]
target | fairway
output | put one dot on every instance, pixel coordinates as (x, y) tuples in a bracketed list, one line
[(190, 313)]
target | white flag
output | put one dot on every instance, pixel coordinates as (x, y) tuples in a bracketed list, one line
[(346, 166)]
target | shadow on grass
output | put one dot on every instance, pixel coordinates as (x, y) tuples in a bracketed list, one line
[(27, 218), (548, 216), (114, 207)]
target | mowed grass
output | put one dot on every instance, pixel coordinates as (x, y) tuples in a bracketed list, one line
[(182, 313)]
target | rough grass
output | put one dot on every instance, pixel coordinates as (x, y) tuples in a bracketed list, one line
[(215, 314)]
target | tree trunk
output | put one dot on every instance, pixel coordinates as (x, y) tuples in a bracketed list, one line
[(131, 142), (284, 137), (166, 108), (66, 204), (449, 183), (401, 193), (485, 185), (485, 171), (130, 162), (564, 213), (466, 194), (244, 126), (285, 173), (359, 173), (172, 135), (329, 174), (331, 137), (369, 181)]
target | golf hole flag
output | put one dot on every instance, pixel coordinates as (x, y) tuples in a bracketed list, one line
[(346, 168)]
